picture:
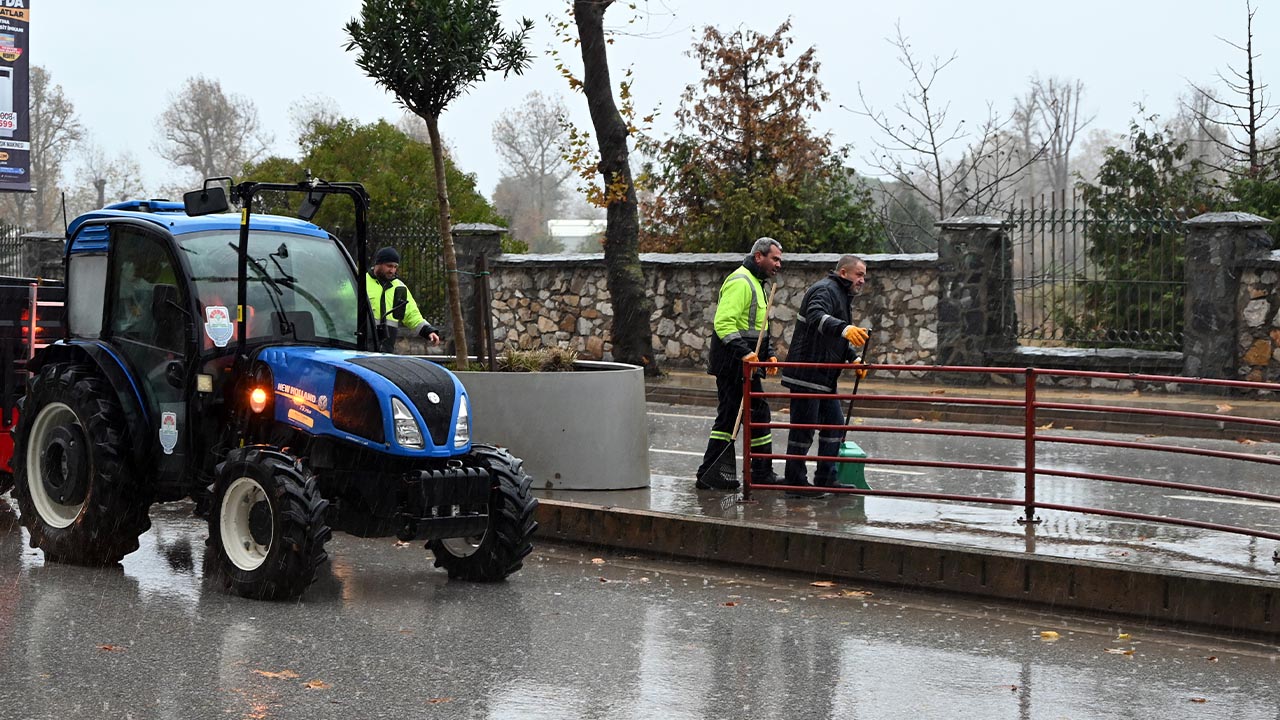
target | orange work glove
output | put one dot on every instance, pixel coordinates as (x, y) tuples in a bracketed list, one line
[(774, 369), (856, 336), (750, 357), (860, 368)]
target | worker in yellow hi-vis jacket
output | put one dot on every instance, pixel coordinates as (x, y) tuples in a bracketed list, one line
[(741, 318), (392, 303)]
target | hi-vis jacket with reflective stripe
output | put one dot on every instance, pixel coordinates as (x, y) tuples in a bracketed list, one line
[(740, 318), (393, 303)]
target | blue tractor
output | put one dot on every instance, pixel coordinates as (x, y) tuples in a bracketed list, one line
[(227, 357)]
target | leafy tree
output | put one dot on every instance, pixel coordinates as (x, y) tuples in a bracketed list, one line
[(531, 140), (55, 130), (1135, 242), (208, 131), (746, 162), (632, 306), (429, 52), (397, 171)]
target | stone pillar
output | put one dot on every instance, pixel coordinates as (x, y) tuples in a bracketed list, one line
[(1216, 245), (470, 241), (975, 305), (42, 253)]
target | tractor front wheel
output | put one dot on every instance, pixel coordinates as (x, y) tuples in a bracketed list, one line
[(501, 549), (267, 525), (78, 494)]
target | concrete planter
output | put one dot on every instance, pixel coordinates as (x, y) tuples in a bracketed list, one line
[(582, 430)]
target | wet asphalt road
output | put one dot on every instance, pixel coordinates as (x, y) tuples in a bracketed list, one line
[(383, 635)]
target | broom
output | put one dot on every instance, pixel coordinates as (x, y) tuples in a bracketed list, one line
[(724, 465)]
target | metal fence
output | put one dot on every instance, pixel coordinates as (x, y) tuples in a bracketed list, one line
[(1080, 280), (421, 264), (12, 256)]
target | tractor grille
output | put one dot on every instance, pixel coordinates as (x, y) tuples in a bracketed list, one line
[(418, 377)]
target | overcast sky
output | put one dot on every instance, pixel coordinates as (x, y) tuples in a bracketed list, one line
[(120, 62)]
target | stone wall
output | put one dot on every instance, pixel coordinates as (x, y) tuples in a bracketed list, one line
[(562, 301), (1259, 330)]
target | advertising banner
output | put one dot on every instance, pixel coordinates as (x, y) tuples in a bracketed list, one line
[(15, 105)]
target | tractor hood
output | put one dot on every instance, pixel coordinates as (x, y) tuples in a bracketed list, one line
[(397, 404)]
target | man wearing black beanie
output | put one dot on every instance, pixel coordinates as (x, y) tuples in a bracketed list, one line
[(392, 303)]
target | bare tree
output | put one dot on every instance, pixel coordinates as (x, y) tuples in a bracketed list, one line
[(1048, 117), (209, 131), (55, 130), (951, 168), (531, 140), (101, 179), (1240, 129)]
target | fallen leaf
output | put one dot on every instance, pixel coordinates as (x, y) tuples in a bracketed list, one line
[(1223, 407), (316, 685), (597, 561), (917, 420), (1047, 426), (855, 593), (400, 544), (1119, 651), (603, 580), (937, 392), (1049, 635), (644, 579), (857, 421), (1198, 700), (282, 675), (823, 583), (1068, 427), (730, 603), (111, 648), (777, 600), (1122, 636), (1247, 441), (1212, 658), (437, 701)]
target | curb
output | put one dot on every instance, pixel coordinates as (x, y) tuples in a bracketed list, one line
[(1241, 606)]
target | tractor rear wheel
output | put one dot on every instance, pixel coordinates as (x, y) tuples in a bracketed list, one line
[(501, 549), (267, 525), (77, 492)]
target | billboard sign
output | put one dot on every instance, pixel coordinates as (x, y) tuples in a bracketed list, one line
[(15, 95)]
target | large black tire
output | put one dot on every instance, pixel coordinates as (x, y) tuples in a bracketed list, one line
[(267, 526), (502, 548), (79, 495)]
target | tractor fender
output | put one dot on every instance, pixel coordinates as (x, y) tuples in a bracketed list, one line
[(100, 355)]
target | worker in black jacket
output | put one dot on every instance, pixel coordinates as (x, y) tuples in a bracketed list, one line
[(824, 333)]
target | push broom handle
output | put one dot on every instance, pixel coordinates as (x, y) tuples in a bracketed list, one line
[(737, 422)]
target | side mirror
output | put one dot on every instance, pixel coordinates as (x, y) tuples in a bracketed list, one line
[(174, 374), (310, 206), (205, 201)]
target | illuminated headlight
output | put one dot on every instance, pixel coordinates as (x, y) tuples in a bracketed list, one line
[(408, 434), (462, 430)]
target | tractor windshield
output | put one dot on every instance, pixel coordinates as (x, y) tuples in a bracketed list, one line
[(300, 288)]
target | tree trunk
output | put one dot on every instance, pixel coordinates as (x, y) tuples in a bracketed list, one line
[(446, 241), (632, 305)]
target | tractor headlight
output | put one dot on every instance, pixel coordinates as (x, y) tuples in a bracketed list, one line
[(408, 434), (462, 430)]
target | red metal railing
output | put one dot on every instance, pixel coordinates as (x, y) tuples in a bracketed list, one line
[(1030, 439)]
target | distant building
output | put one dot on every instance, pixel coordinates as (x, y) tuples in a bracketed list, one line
[(577, 235)]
